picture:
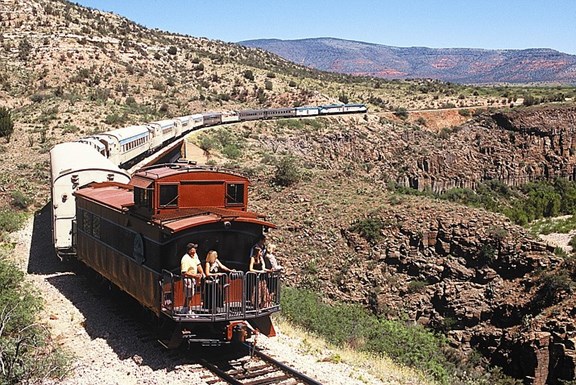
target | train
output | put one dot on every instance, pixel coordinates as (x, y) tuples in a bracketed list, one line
[(134, 235), (124, 145), (133, 229)]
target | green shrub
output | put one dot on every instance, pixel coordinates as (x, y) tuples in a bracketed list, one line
[(417, 286), (553, 288), (287, 172), (402, 113), (232, 151), (369, 228), (70, 129), (6, 123), (11, 221), (25, 354), (573, 243), (20, 200), (248, 74)]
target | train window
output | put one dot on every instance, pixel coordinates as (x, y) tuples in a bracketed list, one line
[(234, 194), (87, 222), (143, 197), (96, 226), (169, 195)]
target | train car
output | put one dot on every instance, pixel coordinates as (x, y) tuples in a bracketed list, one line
[(285, 112), (251, 114), (74, 165), (197, 121), (230, 117), (95, 143), (341, 108), (331, 109), (306, 111), (186, 124), (124, 144), (355, 108), (211, 119), (135, 235), (169, 129)]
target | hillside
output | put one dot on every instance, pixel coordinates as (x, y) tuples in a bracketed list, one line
[(460, 65), (68, 71)]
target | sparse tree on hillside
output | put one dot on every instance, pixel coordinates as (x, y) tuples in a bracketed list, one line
[(287, 172), (24, 49), (248, 74), (6, 124)]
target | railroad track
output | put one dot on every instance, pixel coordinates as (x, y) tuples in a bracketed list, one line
[(255, 368)]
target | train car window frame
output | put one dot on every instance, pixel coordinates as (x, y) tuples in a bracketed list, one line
[(143, 197), (168, 195), (235, 194)]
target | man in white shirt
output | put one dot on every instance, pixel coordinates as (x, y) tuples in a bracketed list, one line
[(192, 272)]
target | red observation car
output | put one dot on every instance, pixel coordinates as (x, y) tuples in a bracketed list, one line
[(136, 234)]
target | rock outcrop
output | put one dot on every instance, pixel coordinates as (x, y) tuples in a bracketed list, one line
[(472, 274)]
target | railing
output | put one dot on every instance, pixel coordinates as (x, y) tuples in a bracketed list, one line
[(231, 296)]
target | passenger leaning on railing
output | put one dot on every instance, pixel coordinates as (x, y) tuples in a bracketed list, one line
[(192, 272), (257, 266), (214, 284), (213, 265)]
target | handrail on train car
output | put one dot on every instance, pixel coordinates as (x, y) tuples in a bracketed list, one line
[(227, 296)]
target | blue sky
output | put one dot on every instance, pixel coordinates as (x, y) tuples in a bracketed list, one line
[(490, 24)]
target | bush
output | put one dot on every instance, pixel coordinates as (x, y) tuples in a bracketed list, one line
[(25, 354), (11, 221), (369, 228), (20, 200), (248, 74), (402, 113), (343, 98), (6, 123), (232, 151), (553, 288), (131, 101), (287, 172)]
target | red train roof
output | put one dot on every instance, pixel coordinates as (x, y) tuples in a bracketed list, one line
[(120, 197)]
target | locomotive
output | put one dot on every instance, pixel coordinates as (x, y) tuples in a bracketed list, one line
[(135, 234)]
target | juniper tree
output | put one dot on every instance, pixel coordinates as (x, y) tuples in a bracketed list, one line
[(6, 124)]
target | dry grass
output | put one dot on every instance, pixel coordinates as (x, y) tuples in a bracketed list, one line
[(365, 365)]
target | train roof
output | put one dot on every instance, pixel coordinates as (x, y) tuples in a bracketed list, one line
[(164, 123), (74, 157), (120, 197), (146, 176), (127, 132)]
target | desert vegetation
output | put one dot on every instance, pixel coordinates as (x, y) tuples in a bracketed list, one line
[(336, 176)]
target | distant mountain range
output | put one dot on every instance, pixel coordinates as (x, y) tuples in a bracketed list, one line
[(460, 65)]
